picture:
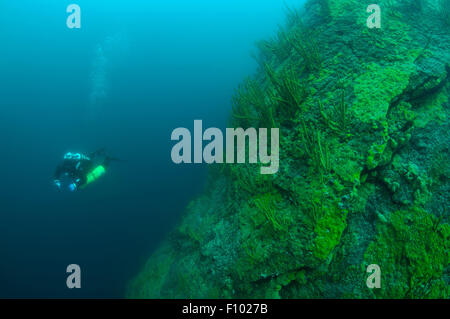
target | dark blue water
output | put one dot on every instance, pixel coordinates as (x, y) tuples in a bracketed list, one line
[(135, 71)]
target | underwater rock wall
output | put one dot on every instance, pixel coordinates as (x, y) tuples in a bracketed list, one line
[(363, 179)]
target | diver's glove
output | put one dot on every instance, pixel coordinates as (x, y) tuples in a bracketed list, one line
[(73, 187), (57, 183)]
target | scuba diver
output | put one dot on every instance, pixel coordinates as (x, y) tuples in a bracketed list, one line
[(78, 170)]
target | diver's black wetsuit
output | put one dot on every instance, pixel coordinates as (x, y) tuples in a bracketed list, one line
[(78, 168)]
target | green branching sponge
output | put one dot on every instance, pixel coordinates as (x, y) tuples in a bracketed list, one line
[(250, 107), (338, 119), (266, 205), (290, 92)]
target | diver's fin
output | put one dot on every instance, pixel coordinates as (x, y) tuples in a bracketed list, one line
[(109, 159), (99, 152), (114, 159)]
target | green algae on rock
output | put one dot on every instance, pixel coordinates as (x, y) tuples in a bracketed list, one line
[(363, 178)]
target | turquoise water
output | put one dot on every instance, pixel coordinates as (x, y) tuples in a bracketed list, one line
[(133, 72)]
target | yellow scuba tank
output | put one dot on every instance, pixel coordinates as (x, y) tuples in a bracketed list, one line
[(95, 174)]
